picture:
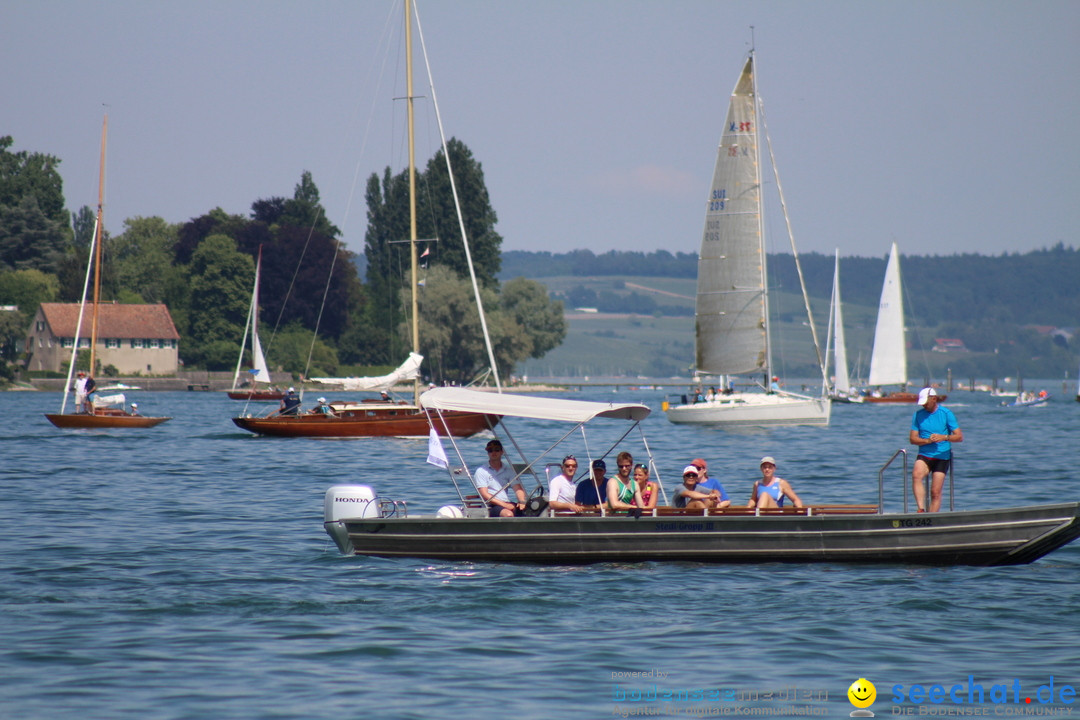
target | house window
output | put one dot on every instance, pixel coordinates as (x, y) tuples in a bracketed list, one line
[(112, 343), (84, 342), (152, 343), (136, 342), (67, 342), (41, 326)]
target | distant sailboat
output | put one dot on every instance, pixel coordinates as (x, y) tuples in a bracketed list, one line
[(732, 316), (841, 385), (888, 363), (259, 372)]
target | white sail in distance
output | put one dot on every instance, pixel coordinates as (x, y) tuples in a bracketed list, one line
[(888, 364)]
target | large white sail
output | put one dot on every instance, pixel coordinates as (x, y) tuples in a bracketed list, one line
[(731, 304), (888, 364), (842, 384), (259, 371)]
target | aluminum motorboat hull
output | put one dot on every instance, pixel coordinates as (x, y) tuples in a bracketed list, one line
[(1009, 536)]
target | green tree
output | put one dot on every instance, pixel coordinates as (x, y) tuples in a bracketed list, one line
[(388, 224), (527, 302), (291, 348), (141, 258), (28, 289), (220, 278), (33, 221)]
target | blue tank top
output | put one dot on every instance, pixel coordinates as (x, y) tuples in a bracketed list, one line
[(774, 490)]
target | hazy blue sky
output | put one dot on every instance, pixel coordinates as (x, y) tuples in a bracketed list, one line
[(945, 126)]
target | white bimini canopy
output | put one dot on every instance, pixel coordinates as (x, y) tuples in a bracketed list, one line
[(527, 406)]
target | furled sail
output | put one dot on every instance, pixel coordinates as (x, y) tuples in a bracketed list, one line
[(888, 364), (409, 370), (731, 304)]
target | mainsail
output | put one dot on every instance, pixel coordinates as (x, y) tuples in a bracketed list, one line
[(409, 370), (842, 383), (888, 364), (731, 304)]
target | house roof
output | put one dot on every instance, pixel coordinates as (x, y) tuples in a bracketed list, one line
[(114, 320)]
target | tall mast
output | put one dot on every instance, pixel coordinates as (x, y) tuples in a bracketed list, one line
[(97, 241), (412, 192), (761, 220)]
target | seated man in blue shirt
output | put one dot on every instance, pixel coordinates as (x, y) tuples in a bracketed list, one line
[(585, 494), (706, 483)]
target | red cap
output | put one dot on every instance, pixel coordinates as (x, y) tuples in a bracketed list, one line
[(700, 464)]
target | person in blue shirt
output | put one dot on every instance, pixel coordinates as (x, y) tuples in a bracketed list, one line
[(933, 429), (706, 483), (290, 403), (586, 494)]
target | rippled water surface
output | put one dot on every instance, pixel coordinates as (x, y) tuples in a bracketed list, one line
[(183, 572)]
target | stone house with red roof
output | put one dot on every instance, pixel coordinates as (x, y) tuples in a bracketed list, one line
[(135, 339)]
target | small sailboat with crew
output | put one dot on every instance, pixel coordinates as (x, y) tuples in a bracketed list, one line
[(96, 411), (259, 386), (733, 328)]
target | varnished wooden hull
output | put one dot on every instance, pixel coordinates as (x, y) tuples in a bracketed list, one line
[(256, 395), (361, 422), (98, 422)]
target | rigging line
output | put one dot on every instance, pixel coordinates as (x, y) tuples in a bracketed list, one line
[(794, 250), (457, 205)]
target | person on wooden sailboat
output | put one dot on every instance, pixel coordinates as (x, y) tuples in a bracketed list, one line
[(290, 403), (84, 387)]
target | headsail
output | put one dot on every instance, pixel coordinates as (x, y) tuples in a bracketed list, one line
[(731, 306), (888, 364)]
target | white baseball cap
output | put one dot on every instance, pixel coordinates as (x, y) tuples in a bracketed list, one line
[(925, 394)]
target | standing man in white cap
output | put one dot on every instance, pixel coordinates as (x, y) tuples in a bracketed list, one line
[(933, 430), (770, 491)]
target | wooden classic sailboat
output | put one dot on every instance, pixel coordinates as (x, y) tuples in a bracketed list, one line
[(105, 412), (259, 389), (732, 316), (382, 417), (888, 363)]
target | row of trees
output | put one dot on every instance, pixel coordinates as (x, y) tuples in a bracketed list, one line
[(313, 301)]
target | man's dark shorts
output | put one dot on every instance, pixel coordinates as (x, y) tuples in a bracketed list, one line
[(936, 465)]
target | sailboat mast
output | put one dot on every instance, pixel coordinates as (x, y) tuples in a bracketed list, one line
[(761, 221), (97, 242), (412, 192)]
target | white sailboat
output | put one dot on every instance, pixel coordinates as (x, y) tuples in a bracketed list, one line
[(732, 317), (259, 372), (841, 385)]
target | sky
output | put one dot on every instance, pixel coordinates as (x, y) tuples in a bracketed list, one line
[(945, 126)]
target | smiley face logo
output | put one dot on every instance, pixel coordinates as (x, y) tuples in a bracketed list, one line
[(862, 693)]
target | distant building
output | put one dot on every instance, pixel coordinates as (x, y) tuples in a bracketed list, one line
[(949, 345), (135, 339)]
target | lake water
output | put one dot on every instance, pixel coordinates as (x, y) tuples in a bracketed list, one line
[(183, 572)]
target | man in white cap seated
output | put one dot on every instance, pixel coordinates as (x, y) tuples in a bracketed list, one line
[(321, 408), (770, 491), (134, 408), (933, 430)]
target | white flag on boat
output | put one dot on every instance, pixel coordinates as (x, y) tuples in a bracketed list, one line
[(435, 453)]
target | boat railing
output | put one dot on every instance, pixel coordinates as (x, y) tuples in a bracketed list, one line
[(881, 480), (393, 508), (740, 511), (903, 483)]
